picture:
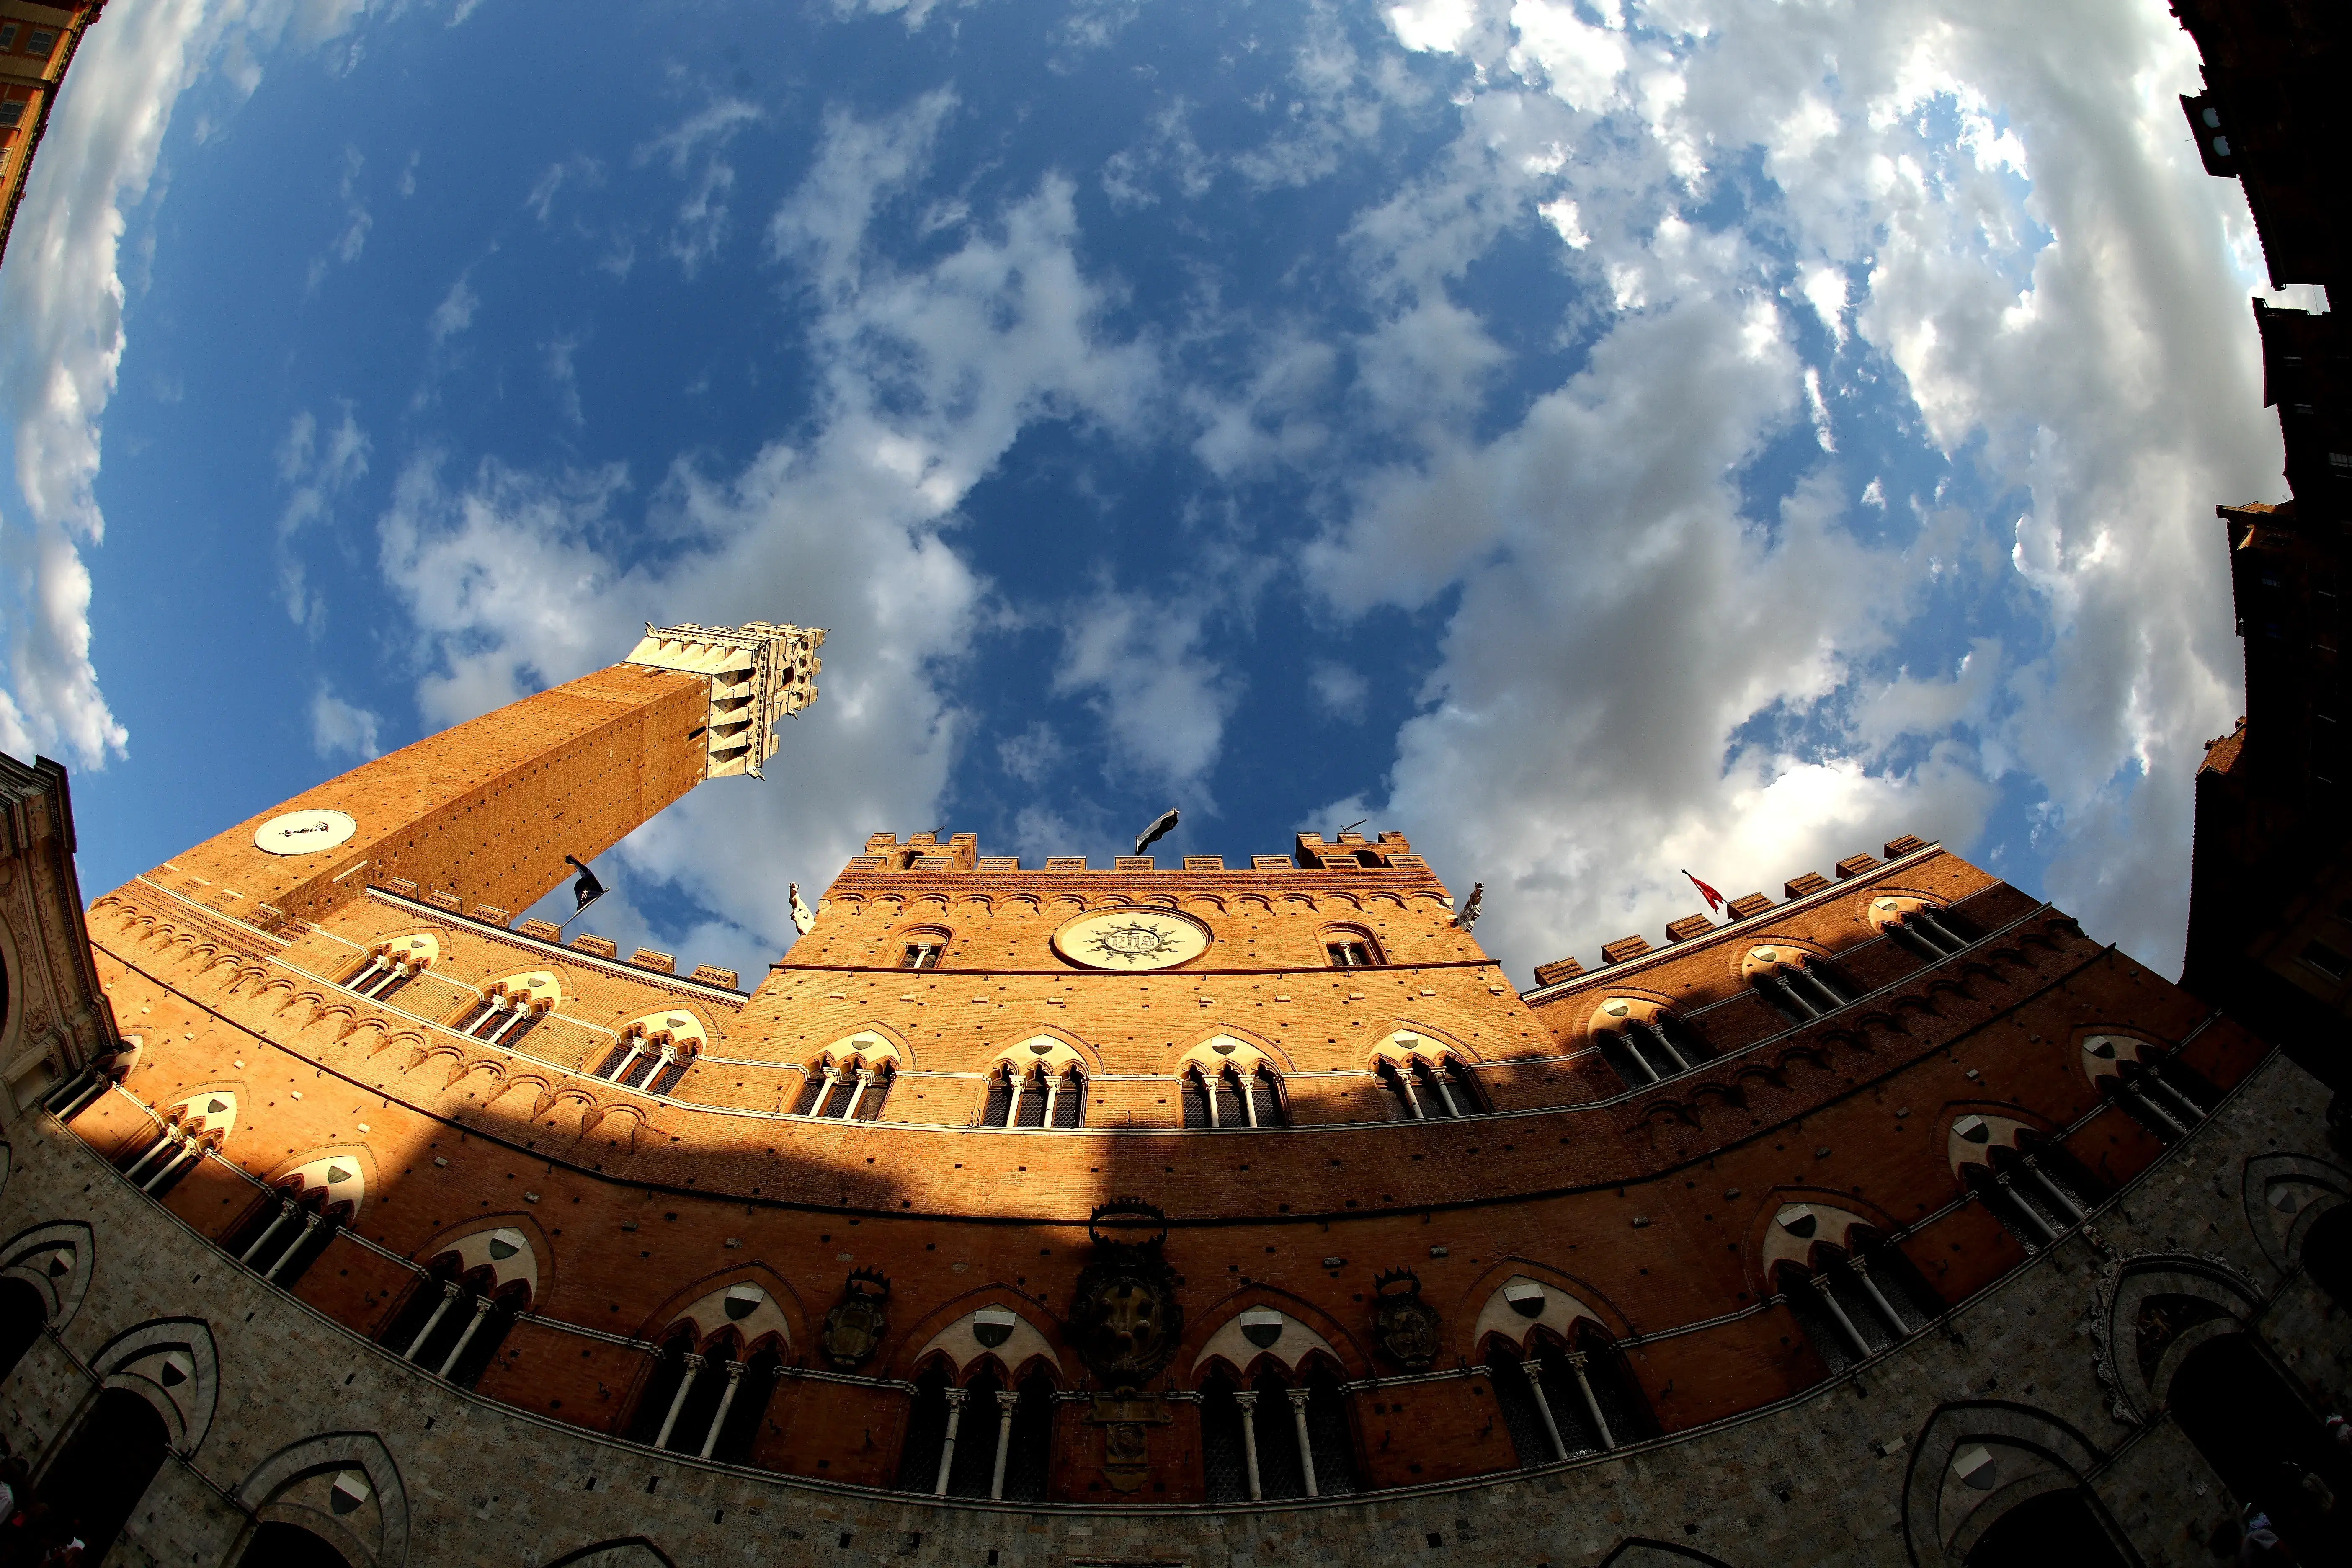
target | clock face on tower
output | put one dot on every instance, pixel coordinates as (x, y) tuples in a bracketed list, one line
[(1132, 940), (304, 832)]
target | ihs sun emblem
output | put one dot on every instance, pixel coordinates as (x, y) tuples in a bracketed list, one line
[(1134, 943)]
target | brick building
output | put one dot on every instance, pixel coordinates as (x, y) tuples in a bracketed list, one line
[(2270, 923), (1206, 1213), (37, 41)]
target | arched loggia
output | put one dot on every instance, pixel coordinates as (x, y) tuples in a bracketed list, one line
[(105, 1467), (2256, 1429)]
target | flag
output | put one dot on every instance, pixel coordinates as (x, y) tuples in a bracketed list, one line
[(1714, 899), (1158, 829)]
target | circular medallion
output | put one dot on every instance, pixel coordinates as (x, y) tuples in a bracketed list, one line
[(1124, 940), (304, 832)]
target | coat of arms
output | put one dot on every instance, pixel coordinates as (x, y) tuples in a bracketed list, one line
[(854, 1328), (1405, 1325)]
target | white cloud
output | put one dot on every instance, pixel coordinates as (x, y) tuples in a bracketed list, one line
[(315, 472), (694, 150), (1163, 700), (1033, 754), (1624, 636), (455, 313), (61, 299), (1337, 688), (341, 729), (928, 377)]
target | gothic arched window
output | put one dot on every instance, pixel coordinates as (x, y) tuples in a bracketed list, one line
[(1039, 1087), (1643, 1051), (1280, 1437)]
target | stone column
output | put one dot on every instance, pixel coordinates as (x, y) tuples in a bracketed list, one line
[(285, 1207), (1444, 1090), (1592, 1405), (678, 1400), (1861, 1345), (450, 1291), (481, 1310), (2001, 1180), (2060, 1195), (947, 1447), (734, 1379), (1805, 1009), (1248, 1402), (850, 1111), (1306, 1449), (1005, 1400), (186, 1151), (1658, 1033), (1893, 1319), (1012, 1106), (308, 1225), (1543, 1407)]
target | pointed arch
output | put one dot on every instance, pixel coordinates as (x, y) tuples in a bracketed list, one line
[(56, 1260), (343, 1487), (174, 1366)]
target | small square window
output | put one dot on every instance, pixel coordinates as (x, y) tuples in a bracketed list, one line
[(40, 41), (7, 35), (12, 112), (2326, 960)]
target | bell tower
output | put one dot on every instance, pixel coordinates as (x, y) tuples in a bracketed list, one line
[(488, 809)]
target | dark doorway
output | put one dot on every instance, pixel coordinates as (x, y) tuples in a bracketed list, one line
[(94, 1484), (2327, 1254), (282, 1545), (2254, 1428), (2057, 1530), (22, 1315)]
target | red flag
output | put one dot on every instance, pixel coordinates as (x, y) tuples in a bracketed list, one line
[(1714, 899)]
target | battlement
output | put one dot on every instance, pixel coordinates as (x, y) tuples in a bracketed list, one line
[(1310, 852), (1627, 949)]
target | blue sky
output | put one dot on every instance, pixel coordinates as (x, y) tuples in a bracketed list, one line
[(1593, 439)]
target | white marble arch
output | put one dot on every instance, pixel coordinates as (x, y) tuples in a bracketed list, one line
[(55, 1259), (343, 1487), (339, 1173), (1974, 1135), (173, 1363), (1505, 1313), (1977, 1459), (1790, 1238), (994, 1330), (505, 1250), (743, 1305), (2284, 1194), (1264, 1331)]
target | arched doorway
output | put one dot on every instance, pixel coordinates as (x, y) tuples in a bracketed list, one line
[(92, 1485), (2327, 1254), (2057, 1530), (2254, 1428), (22, 1315), (279, 1545)]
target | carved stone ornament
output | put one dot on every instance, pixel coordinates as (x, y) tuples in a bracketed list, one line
[(1405, 1325), (1124, 1317), (854, 1328), (1126, 1420)]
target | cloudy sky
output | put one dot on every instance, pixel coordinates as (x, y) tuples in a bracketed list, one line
[(1594, 439)]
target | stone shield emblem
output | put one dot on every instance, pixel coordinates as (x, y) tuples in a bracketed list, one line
[(854, 1328), (1403, 1325), (1125, 1319)]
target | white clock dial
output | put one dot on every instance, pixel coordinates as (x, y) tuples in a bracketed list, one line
[(1129, 940), (304, 832)]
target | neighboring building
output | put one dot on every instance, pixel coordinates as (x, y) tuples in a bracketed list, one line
[(37, 41), (2269, 925), (1205, 1214)]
